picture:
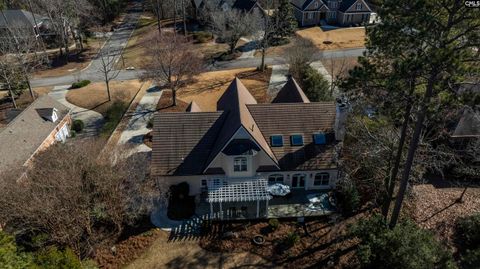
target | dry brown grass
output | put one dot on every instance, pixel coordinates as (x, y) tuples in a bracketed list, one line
[(94, 96), (437, 209), (208, 87), (188, 254), (341, 38), (78, 63)]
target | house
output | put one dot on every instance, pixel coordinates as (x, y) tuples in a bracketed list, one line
[(37, 127), (337, 12), (24, 21), (229, 157)]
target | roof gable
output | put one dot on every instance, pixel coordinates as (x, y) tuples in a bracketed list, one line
[(311, 5), (193, 107), (19, 17), (291, 93), (234, 102), (350, 6)]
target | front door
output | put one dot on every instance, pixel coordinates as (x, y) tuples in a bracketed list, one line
[(298, 181)]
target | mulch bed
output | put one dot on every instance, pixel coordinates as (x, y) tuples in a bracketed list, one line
[(125, 251), (325, 244)]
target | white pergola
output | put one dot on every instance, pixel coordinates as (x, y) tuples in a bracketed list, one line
[(247, 190)]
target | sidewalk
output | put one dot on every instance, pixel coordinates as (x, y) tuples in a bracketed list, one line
[(137, 126), (277, 79)]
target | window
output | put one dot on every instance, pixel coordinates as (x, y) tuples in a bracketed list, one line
[(310, 15), (298, 180), (240, 164), (333, 4), (204, 182), (359, 6), (276, 140), (296, 140), (319, 139), (316, 5), (275, 178), (321, 179), (332, 14)]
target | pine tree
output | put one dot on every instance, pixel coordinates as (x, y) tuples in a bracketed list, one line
[(285, 20)]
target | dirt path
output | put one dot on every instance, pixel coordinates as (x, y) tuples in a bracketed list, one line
[(188, 254)]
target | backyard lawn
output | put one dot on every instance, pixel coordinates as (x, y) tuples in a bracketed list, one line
[(94, 96), (343, 38)]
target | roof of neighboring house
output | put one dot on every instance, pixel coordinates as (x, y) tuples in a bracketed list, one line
[(21, 138), (469, 125), (193, 107), (186, 143), (16, 17), (244, 5), (291, 93), (346, 4), (303, 4)]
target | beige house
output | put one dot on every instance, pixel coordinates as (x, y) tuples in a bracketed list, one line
[(43, 123), (229, 157), (336, 12)]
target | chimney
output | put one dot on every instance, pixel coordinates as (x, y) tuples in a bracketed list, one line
[(341, 118)]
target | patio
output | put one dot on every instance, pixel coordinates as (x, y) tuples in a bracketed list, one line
[(297, 204)]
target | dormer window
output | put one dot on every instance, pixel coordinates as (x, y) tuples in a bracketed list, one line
[(240, 164), (276, 140), (319, 139), (296, 140)]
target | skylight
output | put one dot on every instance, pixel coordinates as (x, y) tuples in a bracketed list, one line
[(296, 140), (319, 139), (276, 140)]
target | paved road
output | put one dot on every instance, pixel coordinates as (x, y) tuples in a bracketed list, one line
[(114, 46)]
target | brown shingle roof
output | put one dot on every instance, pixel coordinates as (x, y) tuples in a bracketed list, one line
[(234, 102), (182, 141), (291, 93), (21, 138), (298, 118)]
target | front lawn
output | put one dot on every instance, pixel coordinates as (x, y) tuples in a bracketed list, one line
[(94, 96), (342, 38)]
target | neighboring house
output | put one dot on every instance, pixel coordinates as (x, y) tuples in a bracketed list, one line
[(24, 22), (338, 12), (34, 129), (230, 156)]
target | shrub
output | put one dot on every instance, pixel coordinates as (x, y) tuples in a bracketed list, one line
[(471, 259), (347, 196), (202, 37), (273, 224), (468, 231), (150, 123), (80, 84), (291, 239), (405, 246), (113, 116), (10, 256), (51, 258), (316, 87), (77, 125)]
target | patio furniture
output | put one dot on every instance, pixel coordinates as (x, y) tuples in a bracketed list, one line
[(278, 189)]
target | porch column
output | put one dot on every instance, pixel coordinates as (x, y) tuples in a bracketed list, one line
[(211, 210), (221, 211), (258, 208), (266, 208)]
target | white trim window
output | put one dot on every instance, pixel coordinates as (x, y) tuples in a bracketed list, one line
[(310, 15), (358, 6), (321, 179), (240, 164), (275, 178), (298, 180)]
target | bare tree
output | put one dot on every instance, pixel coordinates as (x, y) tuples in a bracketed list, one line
[(107, 67), (300, 55), (267, 28), (230, 25), (75, 198), (174, 61)]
